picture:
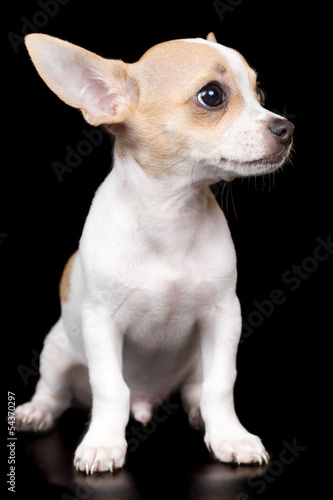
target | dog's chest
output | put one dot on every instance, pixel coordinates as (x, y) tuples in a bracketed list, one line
[(165, 301), (157, 271)]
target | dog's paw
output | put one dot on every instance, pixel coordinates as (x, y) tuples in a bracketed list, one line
[(90, 458), (142, 411), (240, 450), (195, 419), (30, 418)]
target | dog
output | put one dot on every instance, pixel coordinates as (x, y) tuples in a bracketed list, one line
[(148, 302)]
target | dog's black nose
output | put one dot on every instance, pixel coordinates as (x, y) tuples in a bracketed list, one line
[(283, 130)]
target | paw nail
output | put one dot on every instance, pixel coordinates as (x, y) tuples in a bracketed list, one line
[(40, 426), (87, 468), (77, 465), (111, 466), (94, 467)]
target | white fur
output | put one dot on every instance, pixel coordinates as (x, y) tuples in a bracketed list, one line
[(152, 305), (244, 142)]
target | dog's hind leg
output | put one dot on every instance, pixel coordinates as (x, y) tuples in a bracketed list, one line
[(190, 393), (53, 392)]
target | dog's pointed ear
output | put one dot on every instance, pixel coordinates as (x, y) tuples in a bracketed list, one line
[(211, 37), (101, 88)]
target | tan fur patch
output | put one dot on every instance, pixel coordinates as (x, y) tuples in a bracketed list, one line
[(170, 75), (65, 279)]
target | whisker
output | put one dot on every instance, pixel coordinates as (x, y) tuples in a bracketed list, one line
[(232, 199), (263, 182), (192, 173), (271, 179), (222, 193), (175, 163), (151, 123), (153, 139), (227, 197), (290, 157)]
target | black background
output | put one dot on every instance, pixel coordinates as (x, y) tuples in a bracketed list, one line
[(275, 225)]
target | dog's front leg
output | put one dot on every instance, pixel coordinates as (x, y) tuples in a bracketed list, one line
[(104, 446), (225, 436)]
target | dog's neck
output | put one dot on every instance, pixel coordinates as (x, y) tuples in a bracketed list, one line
[(166, 208), (174, 193)]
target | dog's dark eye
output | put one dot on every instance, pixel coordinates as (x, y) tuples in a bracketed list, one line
[(211, 96), (261, 95)]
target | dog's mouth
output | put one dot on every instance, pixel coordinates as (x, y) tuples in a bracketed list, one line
[(263, 165), (271, 160)]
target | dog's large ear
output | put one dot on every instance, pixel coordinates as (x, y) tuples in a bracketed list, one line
[(100, 88)]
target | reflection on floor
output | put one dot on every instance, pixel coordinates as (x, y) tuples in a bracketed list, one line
[(169, 461)]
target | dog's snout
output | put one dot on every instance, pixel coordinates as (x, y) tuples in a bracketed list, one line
[(282, 130)]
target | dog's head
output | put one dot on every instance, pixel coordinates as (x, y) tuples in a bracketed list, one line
[(187, 106)]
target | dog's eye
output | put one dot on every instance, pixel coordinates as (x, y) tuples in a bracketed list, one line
[(211, 96), (261, 95)]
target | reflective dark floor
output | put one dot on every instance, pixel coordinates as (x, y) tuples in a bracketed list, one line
[(167, 460)]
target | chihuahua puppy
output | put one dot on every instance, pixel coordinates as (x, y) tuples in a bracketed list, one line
[(148, 301)]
